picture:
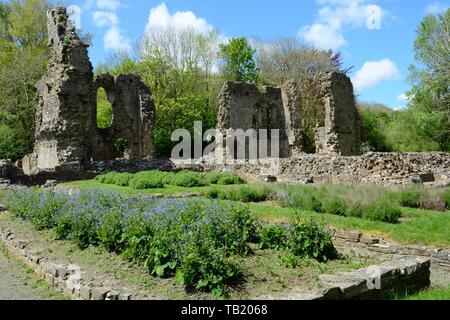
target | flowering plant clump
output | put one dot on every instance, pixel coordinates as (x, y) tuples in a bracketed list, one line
[(193, 240), (190, 239)]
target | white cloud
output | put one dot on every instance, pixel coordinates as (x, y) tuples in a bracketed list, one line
[(326, 32), (437, 8), (115, 40), (161, 17), (104, 19), (373, 72), (322, 36), (402, 97), (108, 4)]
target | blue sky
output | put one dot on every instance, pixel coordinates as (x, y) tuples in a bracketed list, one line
[(375, 36)]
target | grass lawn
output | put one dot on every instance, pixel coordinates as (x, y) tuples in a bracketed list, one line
[(416, 227), (166, 191), (429, 294)]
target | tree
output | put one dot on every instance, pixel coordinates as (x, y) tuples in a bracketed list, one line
[(238, 61), (23, 60), (430, 95)]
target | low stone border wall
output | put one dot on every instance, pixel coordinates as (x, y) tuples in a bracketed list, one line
[(440, 256), (67, 278), (375, 282), (408, 274)]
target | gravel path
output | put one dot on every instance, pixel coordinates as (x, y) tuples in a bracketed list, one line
[(17, 284)]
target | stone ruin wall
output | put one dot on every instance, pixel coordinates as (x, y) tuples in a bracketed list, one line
[(341, 134), (66, 136), (69, 146), (432, 169), (244, 106)]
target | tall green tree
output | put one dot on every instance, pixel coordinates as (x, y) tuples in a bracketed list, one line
[(23, 60), (430, 96), (239, 61)]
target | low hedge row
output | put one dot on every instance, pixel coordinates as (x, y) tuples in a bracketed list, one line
[(158, 179)]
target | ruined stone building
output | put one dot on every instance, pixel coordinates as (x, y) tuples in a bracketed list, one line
[(245, 106), (66, 134)]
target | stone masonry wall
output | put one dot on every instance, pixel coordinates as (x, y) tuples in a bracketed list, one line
[(67, 137), (371, 168), (243, 106), (341, 133), (66, 99)]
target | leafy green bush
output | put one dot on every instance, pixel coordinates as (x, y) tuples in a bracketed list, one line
[(309, 239), (187, 179), (241, 194), (223, 179), (247, 194), (147, 180), (410, 197), (123, 179), (383, 210), (273, 237)]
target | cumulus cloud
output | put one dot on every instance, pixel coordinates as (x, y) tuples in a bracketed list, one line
[(161, 17), (437, 8), (326, 32), (115, 40), (373, 72), (104, 19), (108, 4)]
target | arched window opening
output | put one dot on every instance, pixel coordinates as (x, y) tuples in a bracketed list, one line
[(104, 110)]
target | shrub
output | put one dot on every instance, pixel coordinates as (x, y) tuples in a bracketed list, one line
[(213, 194), (247, 194), (187, 179), (147, 180), (123, 179), (213, 178), (309, 239), (229, 179), (110, 231), (410, 197), (243, 194), (383, 210), (273, 237), (107, 178)]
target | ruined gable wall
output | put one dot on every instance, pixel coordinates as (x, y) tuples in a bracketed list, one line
[(341, 132), (243, 106), (66, 99)]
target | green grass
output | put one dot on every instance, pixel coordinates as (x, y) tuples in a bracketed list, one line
[(168, 190), (416, 226), (419, 227), (429, 294)]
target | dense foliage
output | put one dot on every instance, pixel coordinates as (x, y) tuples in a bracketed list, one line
[(192, 240), (158, 179)]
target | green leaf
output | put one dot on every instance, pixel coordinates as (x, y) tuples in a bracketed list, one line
[(179, 277)]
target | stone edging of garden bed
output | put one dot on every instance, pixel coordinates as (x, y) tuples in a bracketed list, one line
[(439, 256), (408, 274), (393, 276), (66, 278)]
